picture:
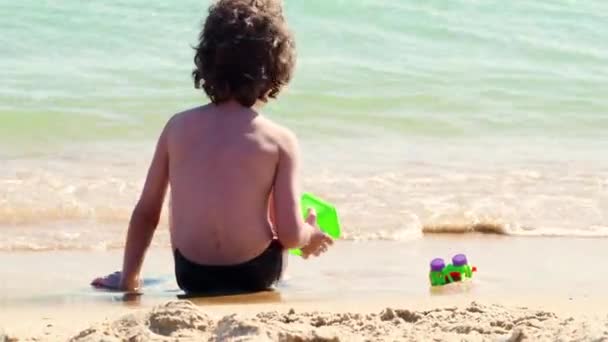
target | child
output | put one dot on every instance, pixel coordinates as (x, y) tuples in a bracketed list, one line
[(233, 173)]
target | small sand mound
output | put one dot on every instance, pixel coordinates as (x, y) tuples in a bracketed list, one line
[(168, 322), (464, 228), (175, 317), (6, 338), (184, 321)]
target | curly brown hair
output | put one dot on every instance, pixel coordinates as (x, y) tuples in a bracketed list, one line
[(246, 52)]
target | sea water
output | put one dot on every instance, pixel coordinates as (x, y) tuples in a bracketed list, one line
[(415, 117)]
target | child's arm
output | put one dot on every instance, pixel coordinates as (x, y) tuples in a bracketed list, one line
[(146, 215), (143, 222), (290, 227)]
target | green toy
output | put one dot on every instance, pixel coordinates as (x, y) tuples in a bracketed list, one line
[(458, 270), (327, 217)]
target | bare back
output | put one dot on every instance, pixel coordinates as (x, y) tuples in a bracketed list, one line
[(222, 164)]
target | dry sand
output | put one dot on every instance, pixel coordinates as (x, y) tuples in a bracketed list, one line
[(185, 321)]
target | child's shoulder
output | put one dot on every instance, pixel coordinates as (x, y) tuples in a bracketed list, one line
[(188, 114), (281, 135), (185, 118)]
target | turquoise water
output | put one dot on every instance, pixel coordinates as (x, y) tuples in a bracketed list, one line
[(412, 114), (118, 69)]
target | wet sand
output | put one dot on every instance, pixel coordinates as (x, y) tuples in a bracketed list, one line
[(555, 275)]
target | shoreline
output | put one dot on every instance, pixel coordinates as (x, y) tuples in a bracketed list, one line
[(40, 300), (368, 269)]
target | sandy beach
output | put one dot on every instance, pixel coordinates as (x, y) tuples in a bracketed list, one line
[(434, 127), (185, 320), (379, 293)]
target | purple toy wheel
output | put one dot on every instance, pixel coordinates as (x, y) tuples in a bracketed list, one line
[(437, 265), (459, 260)]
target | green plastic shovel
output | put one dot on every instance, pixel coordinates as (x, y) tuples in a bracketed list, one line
[(327, 216)]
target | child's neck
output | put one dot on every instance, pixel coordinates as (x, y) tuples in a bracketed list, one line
[(233, 104)]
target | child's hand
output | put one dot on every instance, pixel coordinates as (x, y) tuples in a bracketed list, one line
[(110, 282), (319, 241), (116, 282)]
